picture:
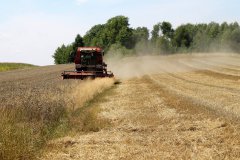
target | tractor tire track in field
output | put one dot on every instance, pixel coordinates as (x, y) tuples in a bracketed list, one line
[(230, 71), (174, 113), (200, 100), (211, 68), (203, 84)]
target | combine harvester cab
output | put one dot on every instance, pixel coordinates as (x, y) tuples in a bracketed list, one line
[(88, 64)]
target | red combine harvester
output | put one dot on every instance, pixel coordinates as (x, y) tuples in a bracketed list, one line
[(88, 64)]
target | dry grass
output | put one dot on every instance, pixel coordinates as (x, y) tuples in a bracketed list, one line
[(175, 111), (156, 125), (81, 101), (81, 92), (173, 107), (38, 106)]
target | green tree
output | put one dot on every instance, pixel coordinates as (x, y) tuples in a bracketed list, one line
[(117, 30), (95, 36), (183, 36), (234, 40), (162, 35), (62, 54), (77, 43), (163, 45), (117, 36), (155, 32), (167, 30), (201, 42), (141, 34), (213, 30), (233, 26), (223, 27)]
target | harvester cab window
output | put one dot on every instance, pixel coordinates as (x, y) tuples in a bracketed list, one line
[(88, 58)]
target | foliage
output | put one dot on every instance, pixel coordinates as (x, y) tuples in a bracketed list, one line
[(116, 30), (183, 36), (77, 43), (164, 45), (116, 35), (119, 50), (94, 37), (140, 34), (155, 32), (66, 54), (62, 54), (167, 29)]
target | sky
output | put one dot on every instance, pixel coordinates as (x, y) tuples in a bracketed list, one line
[(31, 30)]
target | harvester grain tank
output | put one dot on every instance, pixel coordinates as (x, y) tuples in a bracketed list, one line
[(88, 64)]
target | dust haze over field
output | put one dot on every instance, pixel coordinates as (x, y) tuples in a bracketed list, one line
[(136, 66)]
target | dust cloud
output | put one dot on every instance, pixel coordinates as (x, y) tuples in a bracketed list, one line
[(137, 66)]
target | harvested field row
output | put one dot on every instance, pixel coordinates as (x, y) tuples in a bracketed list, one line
[(204, 65), (149, 121)]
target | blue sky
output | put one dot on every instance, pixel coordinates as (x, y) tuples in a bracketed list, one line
[(31, 30)]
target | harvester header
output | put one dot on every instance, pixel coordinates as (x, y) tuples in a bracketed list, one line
[(88, 63)]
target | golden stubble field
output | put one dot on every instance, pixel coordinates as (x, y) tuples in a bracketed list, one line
[(164, 107), (167, 107)]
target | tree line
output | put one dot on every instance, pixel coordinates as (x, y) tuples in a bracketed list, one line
[(116, 36)]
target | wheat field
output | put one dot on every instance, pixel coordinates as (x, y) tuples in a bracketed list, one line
[(36, 105), (166, 107), (162, 107)]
